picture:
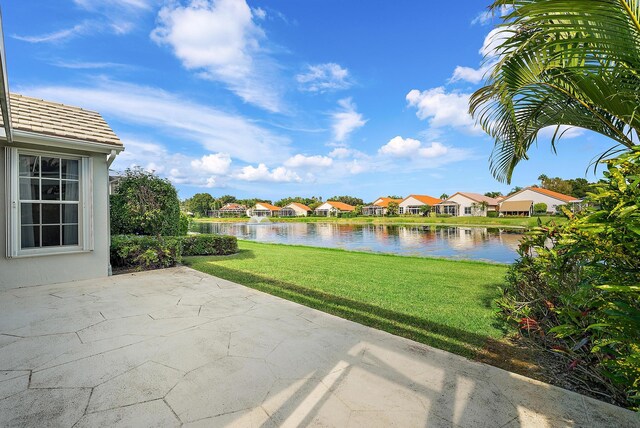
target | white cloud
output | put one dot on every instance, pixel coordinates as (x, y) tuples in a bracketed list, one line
[(408, 147), (56, 36), (565, 131), (259, 13), (324, 78), (298, 161), (340, 153), (433, 151), (220, 40), (177, 167), (346, 120), (217, 163), (126, 4), (400, 147), (443, 109), (215, 130), (469, 74), (262, 173), (487, 16)]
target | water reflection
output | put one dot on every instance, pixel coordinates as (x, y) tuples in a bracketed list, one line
[(475, 243)]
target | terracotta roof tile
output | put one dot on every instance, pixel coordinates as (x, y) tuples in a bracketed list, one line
[(384, 202), (425, 199), (557, 195), (341, 206), (299, 205), (59, 120)]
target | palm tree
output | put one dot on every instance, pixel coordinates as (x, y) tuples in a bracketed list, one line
[(570, 62)]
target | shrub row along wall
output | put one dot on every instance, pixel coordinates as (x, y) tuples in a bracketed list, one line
[(150, 252)]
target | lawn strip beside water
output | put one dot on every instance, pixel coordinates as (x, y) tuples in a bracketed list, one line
[(443, 303)]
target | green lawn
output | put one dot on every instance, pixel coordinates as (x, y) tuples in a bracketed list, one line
[(520, 222), (443, 303)]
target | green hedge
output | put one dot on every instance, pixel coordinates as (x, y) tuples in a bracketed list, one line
[(209, 245), (151, 252), (145, 252)]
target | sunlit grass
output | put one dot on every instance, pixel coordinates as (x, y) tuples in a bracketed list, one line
[(443, 303)]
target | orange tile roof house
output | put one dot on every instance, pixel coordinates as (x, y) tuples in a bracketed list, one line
[(537, 195), (379, 207), (412, 204), (462, 204), (263, 209), (330, 208), (295, 209), (54, 206)]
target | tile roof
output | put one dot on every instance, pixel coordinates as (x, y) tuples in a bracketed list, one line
[(384, 202), (269, 206), (59, 120), (551, 193), (341, 206), (425, 199), (233, 206), (301, 206), (477, 197)]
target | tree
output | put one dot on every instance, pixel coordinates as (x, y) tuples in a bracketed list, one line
[(299, 199), (425, 210), (515, 190), (557, 184), (351, 200), (493, 194), (392, 208), (572, 63), (144, 204), (199, 204), (395, 197), (444, 196), (540, 208)]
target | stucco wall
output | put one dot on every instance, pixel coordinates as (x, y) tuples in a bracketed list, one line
[(49, 269), (530, 195), (411, 202), (466, 202)]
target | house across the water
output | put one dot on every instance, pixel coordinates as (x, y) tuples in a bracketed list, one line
[(536, 195), (263, 209), (295, 209), (333, 208), (379, 207), (413, 204), (463, 204)]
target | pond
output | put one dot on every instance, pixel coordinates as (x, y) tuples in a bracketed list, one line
[(471, 243)]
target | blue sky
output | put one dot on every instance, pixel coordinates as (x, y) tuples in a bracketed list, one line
[(282, 97)]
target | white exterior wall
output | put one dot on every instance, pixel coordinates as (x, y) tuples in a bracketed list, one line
[(409, 202), (300, 212), (530, 195), (466, 202), (325, 206), (50, 269)]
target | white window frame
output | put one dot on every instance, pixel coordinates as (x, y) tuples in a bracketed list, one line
[(85, 205)]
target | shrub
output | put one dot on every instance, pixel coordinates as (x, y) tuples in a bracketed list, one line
[(540, 208), (575, 288), (145, 252), (144, 204), (209, 245), (492, 214), (185, 221)]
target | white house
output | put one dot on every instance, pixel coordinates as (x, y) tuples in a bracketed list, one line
[(537, 195), (263, 209), (295, 209), (412, 204), (379, 207), (54, 206), (330, 208), (463, 204)]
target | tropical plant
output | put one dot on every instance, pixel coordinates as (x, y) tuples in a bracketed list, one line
[(425, 209), (392, 208), (576, 288), (444, 196), (351, 200), (560, 63), (540, 208)]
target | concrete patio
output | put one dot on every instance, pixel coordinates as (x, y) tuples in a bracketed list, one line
[(177, 347)]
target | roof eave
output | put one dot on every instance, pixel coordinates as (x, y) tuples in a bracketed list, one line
[(4, 89), (62, 142)]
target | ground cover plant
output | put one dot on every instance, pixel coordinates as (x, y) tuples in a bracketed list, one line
[(444, 303)]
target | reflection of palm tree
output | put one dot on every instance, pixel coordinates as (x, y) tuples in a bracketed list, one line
[(571, 63)]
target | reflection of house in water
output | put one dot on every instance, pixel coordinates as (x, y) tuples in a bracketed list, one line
[(416, 236), (463, 238), (510, 238)]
